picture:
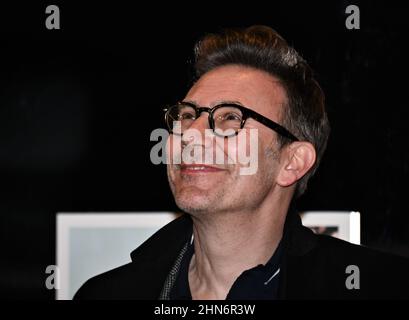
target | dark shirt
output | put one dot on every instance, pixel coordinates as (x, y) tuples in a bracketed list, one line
[(258, 283)]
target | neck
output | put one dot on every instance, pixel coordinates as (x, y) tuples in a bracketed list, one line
[(227, 244)]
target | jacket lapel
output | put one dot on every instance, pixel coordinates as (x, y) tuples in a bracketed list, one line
[(296, 276), (156, 256)]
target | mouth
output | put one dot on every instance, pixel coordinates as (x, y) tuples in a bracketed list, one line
[(199, 168)]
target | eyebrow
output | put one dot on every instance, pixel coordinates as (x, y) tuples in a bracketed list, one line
[(218, 102)]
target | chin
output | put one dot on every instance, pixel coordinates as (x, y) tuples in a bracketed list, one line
[(194, 201)]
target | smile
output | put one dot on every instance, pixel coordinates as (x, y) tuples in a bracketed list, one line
[(198, 168)]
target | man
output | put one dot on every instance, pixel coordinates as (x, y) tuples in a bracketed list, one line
[(241, 237)]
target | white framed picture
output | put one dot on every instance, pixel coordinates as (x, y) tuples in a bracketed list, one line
[(92, 243), (345, 225)]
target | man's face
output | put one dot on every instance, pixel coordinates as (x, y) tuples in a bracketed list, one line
[(222, 187)]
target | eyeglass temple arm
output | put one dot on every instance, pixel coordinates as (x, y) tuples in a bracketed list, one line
[(273, 125)]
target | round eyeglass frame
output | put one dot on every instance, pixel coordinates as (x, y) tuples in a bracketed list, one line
[(247, 113)]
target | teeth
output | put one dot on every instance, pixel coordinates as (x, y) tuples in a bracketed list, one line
[(197, 168)]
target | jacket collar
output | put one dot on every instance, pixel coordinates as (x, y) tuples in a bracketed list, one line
[(299, 239)]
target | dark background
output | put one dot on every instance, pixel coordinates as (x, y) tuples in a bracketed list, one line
[(77, 107)]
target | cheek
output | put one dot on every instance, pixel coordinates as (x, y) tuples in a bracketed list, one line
[(234, 147), (244, 151), (173, 149), (269, 161)]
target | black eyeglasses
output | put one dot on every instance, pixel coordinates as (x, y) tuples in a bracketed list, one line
[(225, 119)]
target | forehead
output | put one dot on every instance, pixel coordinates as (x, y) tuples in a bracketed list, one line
[(253, 88)]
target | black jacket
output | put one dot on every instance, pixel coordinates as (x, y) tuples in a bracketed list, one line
[(313, 267)]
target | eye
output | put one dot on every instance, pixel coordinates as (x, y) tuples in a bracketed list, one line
[(187, 116), (186, 113), (231, 116)]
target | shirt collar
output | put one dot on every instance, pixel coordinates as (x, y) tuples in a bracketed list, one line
[(259, 282)]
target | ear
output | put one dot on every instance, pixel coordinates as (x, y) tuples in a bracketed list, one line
[(297, 159)]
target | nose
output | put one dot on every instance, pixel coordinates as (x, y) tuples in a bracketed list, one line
[(199, 126), (201, 123)]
